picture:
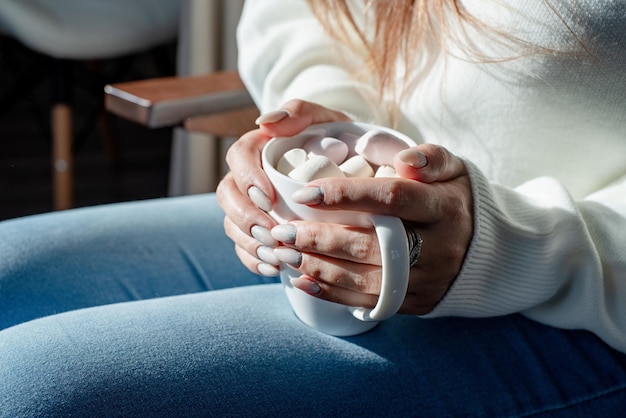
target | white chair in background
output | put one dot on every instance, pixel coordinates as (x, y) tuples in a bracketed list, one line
[(80, 30)]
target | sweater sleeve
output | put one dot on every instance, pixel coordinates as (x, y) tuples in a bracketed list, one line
[(537, 251), (285, 54)]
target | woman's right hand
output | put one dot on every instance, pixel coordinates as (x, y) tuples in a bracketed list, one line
[(246, 194)]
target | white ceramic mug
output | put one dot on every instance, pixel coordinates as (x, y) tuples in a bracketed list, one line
[(329, 317)]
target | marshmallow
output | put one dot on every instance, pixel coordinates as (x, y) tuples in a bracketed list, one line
[(357, 166), (350, 139), (290, 160), (386, 171), (316, 168), (379, 147), (332, 148)]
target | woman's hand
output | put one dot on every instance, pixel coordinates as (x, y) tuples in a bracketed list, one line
[(342, 264), (246, 194)]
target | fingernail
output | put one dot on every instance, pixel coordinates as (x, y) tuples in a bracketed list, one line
[(266, 254), (260, 198), (272, 117), (285, 233), (289, 256), (267, 270), (412, 157), (306, 285), (309, 196), (263, 235)]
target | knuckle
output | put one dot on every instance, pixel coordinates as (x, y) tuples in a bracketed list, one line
[(450, 253), (220, 191), (336, 193), (363, 247), (454, 255), (244, 219), (307, 237), (369, 282), (394, 193), (233, 154), (459, 209), (295, 106), (443, 156), (436, 153), (443, 164), (311, 267), (227, 224), (228, 231)]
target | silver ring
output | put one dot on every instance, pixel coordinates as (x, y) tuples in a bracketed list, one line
[(415, 243)]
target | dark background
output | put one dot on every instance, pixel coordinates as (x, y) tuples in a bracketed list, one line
[(135, 167)]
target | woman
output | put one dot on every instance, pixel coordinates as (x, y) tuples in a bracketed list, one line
[(524, 231)]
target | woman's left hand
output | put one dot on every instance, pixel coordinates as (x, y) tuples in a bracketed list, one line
[(343, 264)]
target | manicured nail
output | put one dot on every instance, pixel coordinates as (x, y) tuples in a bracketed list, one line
[(271, 117), (266, 254), (263, 235), (288, 255), (267, 270), (306, 285), (285, 233), (260, 198), (412, 157), (309, 196)]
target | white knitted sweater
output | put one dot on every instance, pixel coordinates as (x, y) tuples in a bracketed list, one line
[(543, 135)]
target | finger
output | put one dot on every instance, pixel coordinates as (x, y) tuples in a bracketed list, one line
[(239, 208), (428, 281), (354, 285), (339, 241), (407, 199), (358, 277), (425, 290), (341, 282), (249, 244), (298, 115), (244, 160), (333, 293), (419, 300), (254, 264), (428, 163)]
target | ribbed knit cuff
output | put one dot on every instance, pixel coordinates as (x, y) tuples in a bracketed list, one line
[(509, 262)]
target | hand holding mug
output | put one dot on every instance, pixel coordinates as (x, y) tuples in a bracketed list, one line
[(343, 264), (324, 315), (246, 194), (339, 263)]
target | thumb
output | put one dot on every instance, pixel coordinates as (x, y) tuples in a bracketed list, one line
[(296, 115), (428, 163)]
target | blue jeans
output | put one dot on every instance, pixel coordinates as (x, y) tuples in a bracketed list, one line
[(142, 309)]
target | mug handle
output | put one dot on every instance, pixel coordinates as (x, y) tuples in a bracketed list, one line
[(394, 250)]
